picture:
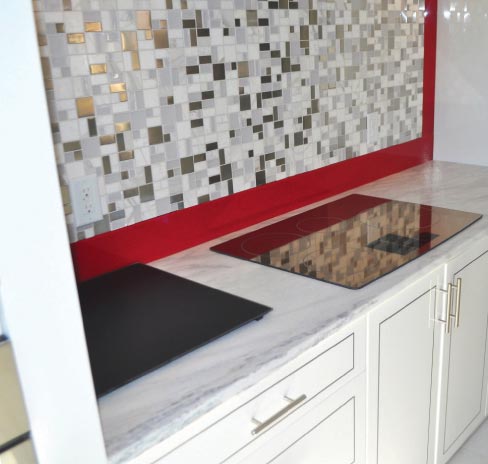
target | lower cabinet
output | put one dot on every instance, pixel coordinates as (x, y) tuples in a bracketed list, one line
[(401, 376), (427, 364), (463, 380)]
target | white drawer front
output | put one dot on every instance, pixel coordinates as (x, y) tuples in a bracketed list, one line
[(234, 431), (332, 440), (328, 430)]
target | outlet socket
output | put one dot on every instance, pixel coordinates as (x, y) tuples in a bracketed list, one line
[(85, 200)]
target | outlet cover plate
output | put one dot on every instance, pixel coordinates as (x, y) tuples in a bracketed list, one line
[(85, 200)]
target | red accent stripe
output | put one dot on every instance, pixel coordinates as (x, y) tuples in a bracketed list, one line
[(430, 40), (164, 235)]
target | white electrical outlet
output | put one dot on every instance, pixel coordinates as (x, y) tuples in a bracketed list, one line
[(85, 200), (373, 126)]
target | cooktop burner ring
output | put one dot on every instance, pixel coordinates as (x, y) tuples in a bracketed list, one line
[(318, 222)]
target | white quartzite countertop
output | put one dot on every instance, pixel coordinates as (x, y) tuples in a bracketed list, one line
[(145, 412)]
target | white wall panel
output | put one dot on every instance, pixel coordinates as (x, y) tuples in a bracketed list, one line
[(461, 113), (39, 297)]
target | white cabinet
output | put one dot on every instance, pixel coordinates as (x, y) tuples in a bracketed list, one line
[(427, 379), (463, 381), (401, 376)]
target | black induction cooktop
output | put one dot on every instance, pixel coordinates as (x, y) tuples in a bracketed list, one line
[(351, 241), (138, 318)]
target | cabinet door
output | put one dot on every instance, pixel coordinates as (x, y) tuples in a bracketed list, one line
[(401, 376), (463, 386)]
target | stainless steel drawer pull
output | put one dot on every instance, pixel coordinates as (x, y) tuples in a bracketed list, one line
[(291, 405)]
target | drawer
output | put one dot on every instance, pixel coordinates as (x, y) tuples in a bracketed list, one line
[(329, 430), (331, 440), (13, 419), (263, 412)]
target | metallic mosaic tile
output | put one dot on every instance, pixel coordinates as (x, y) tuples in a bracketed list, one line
[(218, 97), (122, 126), (143, 20), (107, 139), (84, 107), (76, 38), (155, 135), (117, 87), (136, 62), (129, 40), (161, 38), (92, 127), (93, 26), (126, 155), (71, 146), (42, 40), (100, 68), (146, 193)]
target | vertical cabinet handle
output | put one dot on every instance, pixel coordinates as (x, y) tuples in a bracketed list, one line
[(447, 321), (459, 283), (448, 308)]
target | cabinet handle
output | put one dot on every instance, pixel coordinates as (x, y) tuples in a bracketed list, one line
[(448, 309), (447, 321), (291, 404), (459, 283)]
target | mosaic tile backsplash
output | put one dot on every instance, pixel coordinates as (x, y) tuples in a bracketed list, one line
[(172, 103)]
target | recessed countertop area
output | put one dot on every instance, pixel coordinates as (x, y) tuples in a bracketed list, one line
[(149, 410)]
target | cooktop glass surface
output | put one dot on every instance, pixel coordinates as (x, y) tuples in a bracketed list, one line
[(351, 241)]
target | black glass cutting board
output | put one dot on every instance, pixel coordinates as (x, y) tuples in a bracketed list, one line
[(138, 318)]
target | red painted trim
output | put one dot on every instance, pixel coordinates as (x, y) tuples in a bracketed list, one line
[(430, 41), (164, 235)]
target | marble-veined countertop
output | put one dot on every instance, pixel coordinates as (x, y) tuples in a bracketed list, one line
[(147, 411)]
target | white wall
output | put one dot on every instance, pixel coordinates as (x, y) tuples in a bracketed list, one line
[(39, 298), (461, 112)]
